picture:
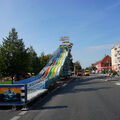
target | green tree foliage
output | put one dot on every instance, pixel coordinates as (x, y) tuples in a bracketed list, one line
[(35, 62), (77, 66), (14, 58), (71, 64), (44, 59), (91, 68)]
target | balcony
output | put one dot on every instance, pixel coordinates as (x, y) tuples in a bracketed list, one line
[(117, 62), (118, 49), (118, 55)]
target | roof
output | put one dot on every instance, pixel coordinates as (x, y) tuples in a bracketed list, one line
[(102, 60)]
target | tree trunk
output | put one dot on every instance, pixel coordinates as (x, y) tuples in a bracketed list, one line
[(12, 79), (17, 76)]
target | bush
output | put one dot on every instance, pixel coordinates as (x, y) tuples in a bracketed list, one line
[(106, 71), (114, 72)]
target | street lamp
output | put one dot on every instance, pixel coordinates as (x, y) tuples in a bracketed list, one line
[(75, 69)]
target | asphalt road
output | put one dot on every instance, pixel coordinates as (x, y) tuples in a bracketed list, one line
[(85, 98)]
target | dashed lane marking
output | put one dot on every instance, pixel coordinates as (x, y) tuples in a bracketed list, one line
[(15, 118), (19, 115), (22, 113), (64, 85)]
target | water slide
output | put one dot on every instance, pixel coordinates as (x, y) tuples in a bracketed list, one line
[(31, 88), (50, 71)]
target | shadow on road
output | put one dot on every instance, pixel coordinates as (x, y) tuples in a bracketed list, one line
[(85, 84), (80, 84), (53, 107), (87, 89), (74, 87)]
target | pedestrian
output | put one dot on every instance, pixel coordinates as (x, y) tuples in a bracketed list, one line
[(111, 75)]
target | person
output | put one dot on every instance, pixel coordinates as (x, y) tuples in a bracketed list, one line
[(111, 74)]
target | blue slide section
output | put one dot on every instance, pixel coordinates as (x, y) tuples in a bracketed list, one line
[(56, 55), (28, 80)]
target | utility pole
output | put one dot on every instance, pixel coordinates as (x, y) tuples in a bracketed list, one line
[(74, 69)]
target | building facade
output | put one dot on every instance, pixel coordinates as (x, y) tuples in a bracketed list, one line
[(103, 64), (115, 54)]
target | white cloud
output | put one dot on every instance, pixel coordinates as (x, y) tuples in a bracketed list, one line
[(101, 47)]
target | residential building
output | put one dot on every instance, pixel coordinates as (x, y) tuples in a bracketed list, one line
[(104, 63), (115, 54)]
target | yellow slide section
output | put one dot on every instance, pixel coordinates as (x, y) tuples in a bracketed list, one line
[(55, 69)]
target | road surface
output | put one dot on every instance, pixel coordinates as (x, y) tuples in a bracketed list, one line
[(85, 98)]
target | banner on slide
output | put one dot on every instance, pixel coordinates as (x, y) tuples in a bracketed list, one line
[(13, 94), (64, 38), (66, 42)]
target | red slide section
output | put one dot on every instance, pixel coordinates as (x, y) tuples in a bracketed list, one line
[(54, 62), (47, 72)]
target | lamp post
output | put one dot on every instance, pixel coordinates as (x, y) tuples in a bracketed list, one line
[(74, 69)]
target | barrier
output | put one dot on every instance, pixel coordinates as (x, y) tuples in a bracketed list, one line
[(13, 94)]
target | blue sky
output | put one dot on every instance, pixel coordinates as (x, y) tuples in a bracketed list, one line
[(92, 25)]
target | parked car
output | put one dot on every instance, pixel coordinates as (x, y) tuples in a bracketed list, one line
[(87, 73), (79, 73)]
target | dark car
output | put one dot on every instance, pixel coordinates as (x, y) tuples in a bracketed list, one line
[(79, 73)]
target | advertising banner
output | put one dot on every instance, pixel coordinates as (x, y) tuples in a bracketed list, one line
[(64, 38), (13, 94), (65, 42)]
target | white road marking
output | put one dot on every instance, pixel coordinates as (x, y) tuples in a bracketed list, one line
[(64, 85), (15, 118), (22, 113), (117, 83), (19, 115)]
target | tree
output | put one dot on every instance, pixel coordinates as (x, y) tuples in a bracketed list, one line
[(15, 58), (71, 64), (77, 66), (35, 61), (91, 68), (44, 59)]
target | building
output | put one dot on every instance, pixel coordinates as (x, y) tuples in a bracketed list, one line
[(104, 63), (115, 54)]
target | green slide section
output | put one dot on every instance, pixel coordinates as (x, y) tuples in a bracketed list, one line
[(54, 71), (61, 55), (64, 51), (54, 68), (57, 61), (58, 64), (51, 70)]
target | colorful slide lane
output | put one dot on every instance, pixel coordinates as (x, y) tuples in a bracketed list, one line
[(53, 70), (54, 60)]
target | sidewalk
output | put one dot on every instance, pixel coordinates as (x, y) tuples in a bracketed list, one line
[(115, 79)]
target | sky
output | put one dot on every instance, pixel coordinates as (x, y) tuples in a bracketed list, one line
[(92, 25)]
